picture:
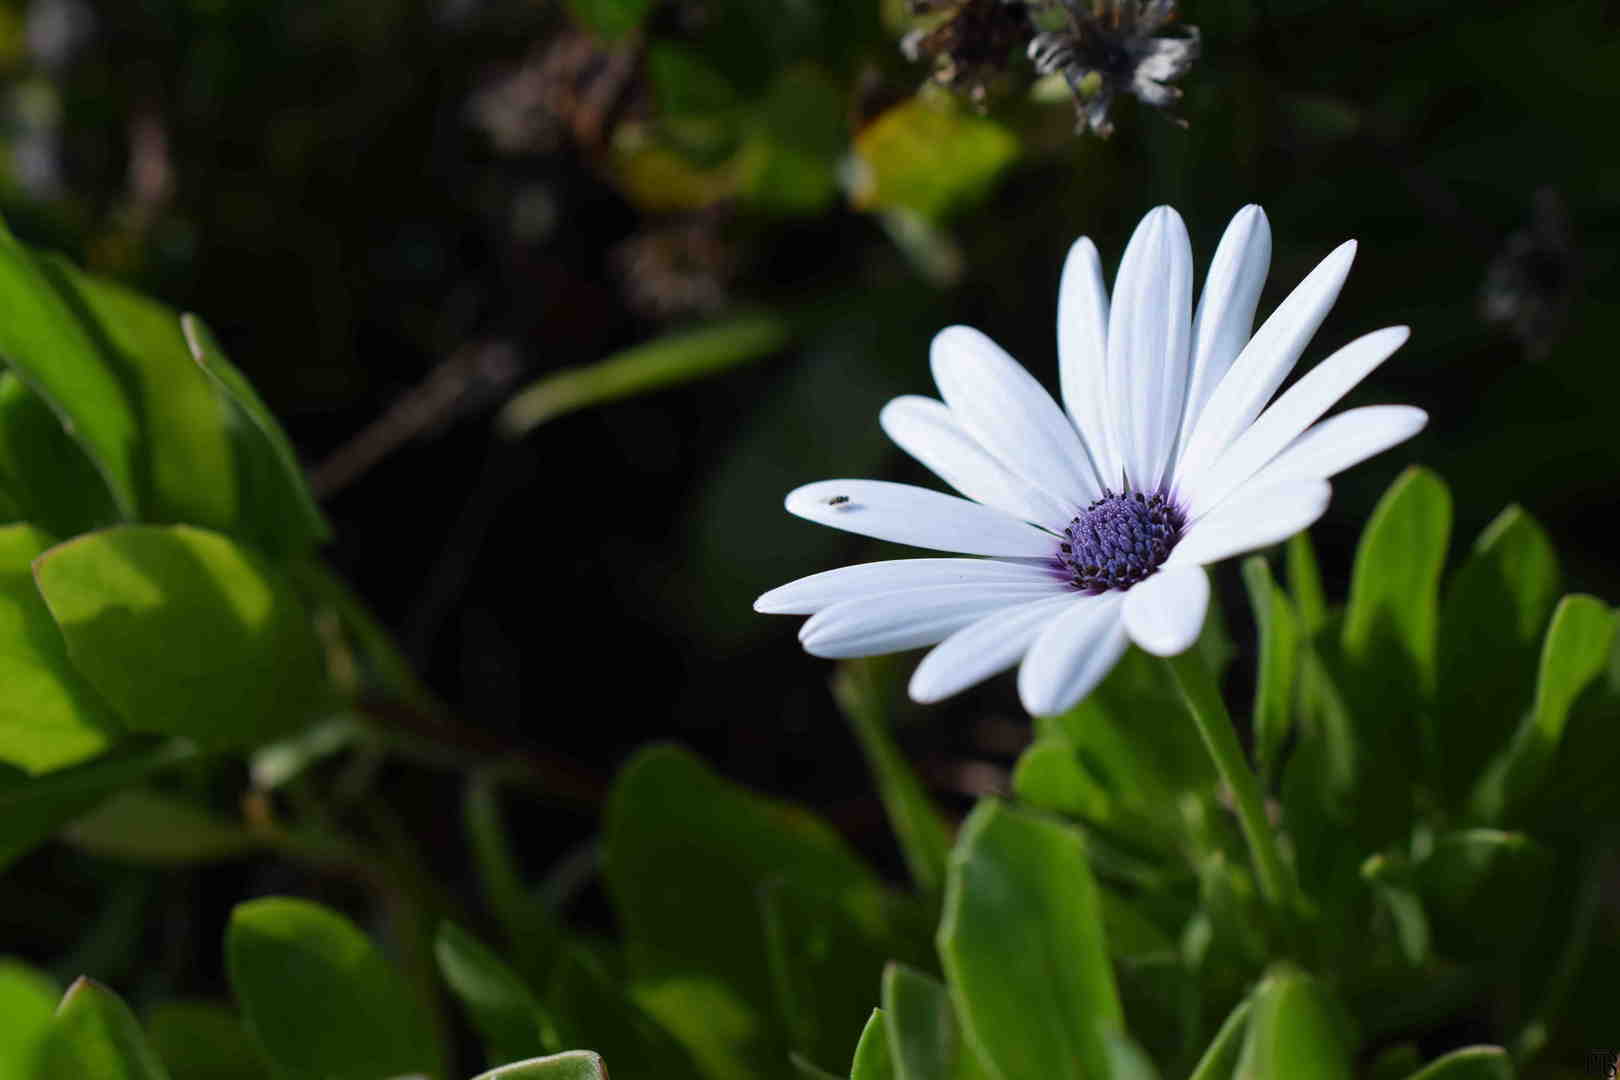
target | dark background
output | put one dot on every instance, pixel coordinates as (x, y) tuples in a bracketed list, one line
[(378, 202)]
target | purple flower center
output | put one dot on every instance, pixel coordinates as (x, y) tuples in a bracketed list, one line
[(1119, 540)]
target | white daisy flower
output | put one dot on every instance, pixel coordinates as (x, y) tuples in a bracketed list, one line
[(1091, 524)]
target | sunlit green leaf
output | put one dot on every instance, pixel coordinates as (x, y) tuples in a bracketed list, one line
[(185, 632), (675, 358), (187, 469), (49, 715), (43, 341), (201, 1040), (1296, 1031), (147, 826), (1469, 1063), (279, 509), (1220, 1059), (1305, 584), (27, 1002), (1022, 942), (1275, 685), (95, 1037), (929, 155), (873, 1061), (1495, 612), (508, 1016), (47, 476), (924, 1036), (1575, 653), (318, 997), (569, 1065)]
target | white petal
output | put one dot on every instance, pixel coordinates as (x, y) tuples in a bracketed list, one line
[(1297, 409), (1148, 329), (1225, 316), (809, 595), (984, 648), (919, 517), (926, 429), (1165, 612), (1263, 365), (1083, 354), (1071, 656), (1253, 518), (891, 622), (1342, 441), (1010, 414)]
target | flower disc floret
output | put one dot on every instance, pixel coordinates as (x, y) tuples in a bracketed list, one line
[(1120, 540)]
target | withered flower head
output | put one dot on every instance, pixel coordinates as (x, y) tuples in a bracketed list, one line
[(970, 47), (1531, 283), (678, 268), (1114, 47)]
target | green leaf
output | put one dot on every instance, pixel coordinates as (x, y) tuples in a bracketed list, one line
[(929, 155), (680, 357), (873, 1060), (146, 826), (1220, 1059), (44, 342), (1391, 620), (30, 810), (1296, 1031), (570, 1065), (45, 473), (1484, 891), (809, 1070), (685, 855), (924, 1037), (283, 513), (96, 1037), (922, 833), (591, 1009), (318, 997), (533, 933), (1491, 628), (1022, 943), (49, 715), (1469, 1063), (1275, 688), (507, 1015), (1575, 653), (610, 18), (27, 1001), (202, 1040), (187, 471), (1305, 584), (185, 632)]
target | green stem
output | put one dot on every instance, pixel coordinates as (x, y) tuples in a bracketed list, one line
[(1203, 699)]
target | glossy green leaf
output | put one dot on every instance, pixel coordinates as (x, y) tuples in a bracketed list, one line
[(680, 357), (929, 155), (145, 826), (27, 1002), (685, 855), (1022, 943), (873, 1061), (1220, 1059), (202, 1040), (1275, 684), (44, 342), (610, 18), (46, 475), (1296, 1031), (1392, 617), (923, 836), (32, 809), (1575, 653), (187, 471), (569, 1065), (185, 632), (1085, 782), (1469, 1063), (49, 715), (1495, 613), (924, 1036), (319, 998), (95, 1037), (509, 1018), (279, 509)]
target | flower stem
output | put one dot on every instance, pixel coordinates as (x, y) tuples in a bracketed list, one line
[(1214, 723)]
